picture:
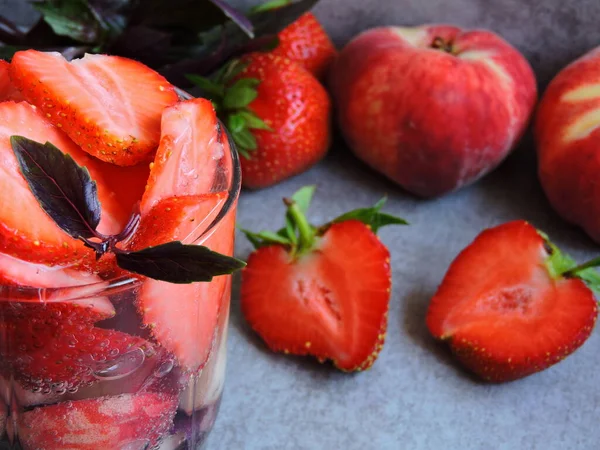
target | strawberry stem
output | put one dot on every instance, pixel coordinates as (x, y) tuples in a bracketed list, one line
[(306, 238), (581, 267)]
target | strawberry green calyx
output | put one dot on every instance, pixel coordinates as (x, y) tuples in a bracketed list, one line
[(562, 265), (300, 237), (231, 99)]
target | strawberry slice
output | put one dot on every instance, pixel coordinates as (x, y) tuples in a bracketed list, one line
[(125, 421), (191, 147), (7, 90), (54, 353), (511, 304), (178, 205), (108, 105), (21, 274), (26, 231), (321, 291), (183, 317)]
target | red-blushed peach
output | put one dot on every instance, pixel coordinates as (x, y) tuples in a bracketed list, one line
[(567, 134), (434, 107)]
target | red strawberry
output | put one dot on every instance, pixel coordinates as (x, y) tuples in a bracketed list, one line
[(306, 42), (178, 205), (26, 231), (278, 115), (29, 277), (7, 90), (124, 421), (57, 353), (511, 304), (321, 291), (192, 144), (108, 105)]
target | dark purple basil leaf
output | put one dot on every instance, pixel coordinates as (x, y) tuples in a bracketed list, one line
[(177, 15), (223, 42), (71, 18), (236, 17), (64, 190), (9, 32), (147, 45), (178, 263)]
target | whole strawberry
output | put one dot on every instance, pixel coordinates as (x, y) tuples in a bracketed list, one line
[(278, 115), (305, 41), (321, 291), (512, 304)]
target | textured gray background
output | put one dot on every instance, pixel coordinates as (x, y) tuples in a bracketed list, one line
[(415, 397)]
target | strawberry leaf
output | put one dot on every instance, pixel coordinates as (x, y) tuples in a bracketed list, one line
[(235, 123), (372, 217), (64, 190), (239, 96), (245, 141), (212, 89), (178, 263), (560, 264), (264, 238), (267, 6), (303, 197), (253, 121)]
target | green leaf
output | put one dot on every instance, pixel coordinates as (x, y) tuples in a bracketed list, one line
[(208, 86), (235, 123), (372, 217), (244, 139), (264, 238), (71, 18), (560, 264), (64, 189), (591, 277), (239, 96), (267, 6), (246, 82), (303, 197), (178, 263), (253, 121)]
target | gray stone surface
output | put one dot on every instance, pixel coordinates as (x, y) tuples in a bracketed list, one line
[(415, 397)]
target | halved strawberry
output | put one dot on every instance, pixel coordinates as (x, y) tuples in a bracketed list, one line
[(191, 146), (126, 421), (178, 205), (7, 90), (110, 106), (321, 291), (26, 231), (183, 317), (511, 304)]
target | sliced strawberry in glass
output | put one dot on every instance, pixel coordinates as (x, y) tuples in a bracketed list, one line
[(178, 205), (124, 421), (26, 231)]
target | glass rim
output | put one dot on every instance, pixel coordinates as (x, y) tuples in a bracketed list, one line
[(115, 285)]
